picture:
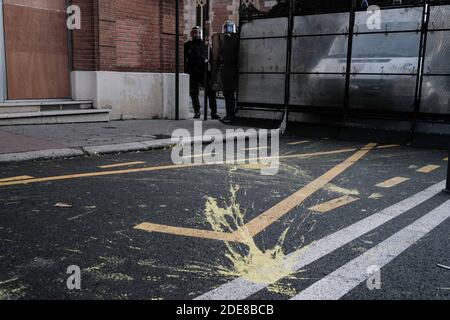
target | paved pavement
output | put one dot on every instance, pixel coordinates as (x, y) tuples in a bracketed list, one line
[(63, 140), (32, 142), (140, 227)]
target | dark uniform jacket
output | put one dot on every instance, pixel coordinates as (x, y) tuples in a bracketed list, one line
[(194, 57), (229, 57)]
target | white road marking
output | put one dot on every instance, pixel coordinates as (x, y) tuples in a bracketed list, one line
[(240, 289), (340, 282)]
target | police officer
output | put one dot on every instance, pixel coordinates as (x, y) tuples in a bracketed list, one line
[(195, 57), (229, 67)]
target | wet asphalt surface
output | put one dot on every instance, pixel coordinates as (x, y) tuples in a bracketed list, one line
[(39, 241)]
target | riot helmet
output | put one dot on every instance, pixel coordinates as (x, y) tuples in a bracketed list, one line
[(229, 27), (197, 33)]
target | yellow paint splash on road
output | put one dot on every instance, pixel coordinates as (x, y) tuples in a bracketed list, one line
[(335, 189), (247, 259), (375, 196)]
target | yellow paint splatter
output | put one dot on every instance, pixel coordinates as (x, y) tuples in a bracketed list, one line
[(375, 196), (256, 166), (248, 261), (348, 192)]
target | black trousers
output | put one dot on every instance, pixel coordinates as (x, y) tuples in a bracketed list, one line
[(230, 103), (195, 82)]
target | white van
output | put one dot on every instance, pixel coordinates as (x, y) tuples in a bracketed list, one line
[(385, 65)]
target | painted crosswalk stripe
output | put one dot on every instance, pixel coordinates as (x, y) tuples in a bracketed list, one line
[(240, 288), (428, 169), (118, 165), (342, 281), (333, 204), (392, 182), (446, 159), (19, 178)]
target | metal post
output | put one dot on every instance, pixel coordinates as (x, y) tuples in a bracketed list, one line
[(206, 67), (206, 91), (421, 63), (177, 60), (351, 34), (287, 79), (447, 186)]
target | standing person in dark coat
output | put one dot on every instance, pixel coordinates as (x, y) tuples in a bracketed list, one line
[(195, 62), (229, 67)]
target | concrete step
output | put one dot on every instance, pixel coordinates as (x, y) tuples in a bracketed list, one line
[(41, 105), (54, 117)]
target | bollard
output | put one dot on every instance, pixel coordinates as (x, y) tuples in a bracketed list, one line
[(447, 187)]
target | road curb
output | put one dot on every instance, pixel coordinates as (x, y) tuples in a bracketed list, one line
[(41, 155), (109, 149)]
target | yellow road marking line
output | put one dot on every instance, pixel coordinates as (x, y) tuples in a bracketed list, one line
[(117, 165), (160, 168), (334, 204), (187, 232), (20, 178), (307, 155), (98, 174), (392, 182), (263, 221), (389, 146), (428, 169), (298, 142)]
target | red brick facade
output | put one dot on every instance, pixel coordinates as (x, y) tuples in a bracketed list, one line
[(126, 35), (219, 11)]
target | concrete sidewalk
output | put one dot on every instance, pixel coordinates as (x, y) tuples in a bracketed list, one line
[(20, 143)]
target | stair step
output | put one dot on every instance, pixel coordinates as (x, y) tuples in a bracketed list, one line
[(39, 105), (53, 117), (19, 103)]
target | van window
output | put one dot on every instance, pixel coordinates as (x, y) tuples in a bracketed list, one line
[(378, 46)]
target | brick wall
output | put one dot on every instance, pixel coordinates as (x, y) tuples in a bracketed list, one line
[(126, 35), (84, 40)]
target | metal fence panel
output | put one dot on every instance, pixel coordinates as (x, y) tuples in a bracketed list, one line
[(330, 23), (437, 58), (391, 20), (401, 69), (264, 89), (263, 55), (383, 92), (439, 17), (261, 28), (320, 90), (319, 54)]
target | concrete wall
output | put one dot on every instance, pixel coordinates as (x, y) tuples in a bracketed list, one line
[(132, 95)]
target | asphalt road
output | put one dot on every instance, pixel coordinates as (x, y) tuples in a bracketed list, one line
[(138, 229)]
